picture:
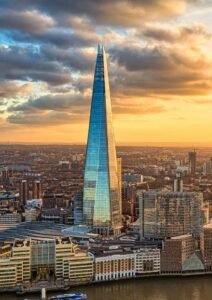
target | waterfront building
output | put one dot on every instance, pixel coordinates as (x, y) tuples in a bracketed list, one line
[(52, 260), (101, 207), (147, 261), (206, 246), (192, 160), (113, 265), (175, 252), (167, 214), (71, 264)]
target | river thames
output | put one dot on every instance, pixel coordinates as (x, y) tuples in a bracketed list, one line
[(193, 288)]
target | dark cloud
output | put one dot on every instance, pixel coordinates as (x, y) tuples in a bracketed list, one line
[(60, 37), (30, 21), (119, 12), (76, 59), (183, 33), (160, 70), (137, 58), (68, 102), (29, 64)]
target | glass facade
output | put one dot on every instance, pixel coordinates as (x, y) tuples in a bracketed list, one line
[(101, 187)]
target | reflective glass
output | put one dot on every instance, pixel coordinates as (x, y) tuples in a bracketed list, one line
[(101, 189)]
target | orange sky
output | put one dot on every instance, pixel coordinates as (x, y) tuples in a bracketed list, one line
[(159, 70)]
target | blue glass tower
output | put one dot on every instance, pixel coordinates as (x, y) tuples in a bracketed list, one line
[(101, 192)]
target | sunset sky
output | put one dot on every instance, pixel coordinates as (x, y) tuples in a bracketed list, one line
[(159, 60)]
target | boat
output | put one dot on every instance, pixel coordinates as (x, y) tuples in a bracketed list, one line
[(74, 296)]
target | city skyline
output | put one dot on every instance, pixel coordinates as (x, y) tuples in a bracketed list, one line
[(159, 60)]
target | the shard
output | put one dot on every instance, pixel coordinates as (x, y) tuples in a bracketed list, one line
[(101, 193)]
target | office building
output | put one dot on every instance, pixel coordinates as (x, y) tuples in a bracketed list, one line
[(101, 207), (36, 190), (175, 252), (192, 158), (24, 192), (178, 183), (167, 214), (207, 167)]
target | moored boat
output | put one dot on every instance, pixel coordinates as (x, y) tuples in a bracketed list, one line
[(74, 296)]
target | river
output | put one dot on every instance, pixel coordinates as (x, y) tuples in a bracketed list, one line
[(195, 288)]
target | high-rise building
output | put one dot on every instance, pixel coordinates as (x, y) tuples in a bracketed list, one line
[(5, 176), (178, 183), (24, 192), (168, 214), (36, 190), (101, 208), (207, 167), (192, 158)]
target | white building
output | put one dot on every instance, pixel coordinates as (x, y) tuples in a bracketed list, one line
[(115, 266), (147, 261)]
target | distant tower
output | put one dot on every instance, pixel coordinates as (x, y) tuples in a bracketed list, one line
[(178, 183), (101, 207), (24, 192), (5, 177), (36, 190), (192, 157)]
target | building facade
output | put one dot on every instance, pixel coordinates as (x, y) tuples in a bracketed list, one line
[(114, 266), (175, 252), (168, 214), (101, 199)]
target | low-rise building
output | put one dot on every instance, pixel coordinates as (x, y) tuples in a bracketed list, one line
[(147, 261), (111, 266)]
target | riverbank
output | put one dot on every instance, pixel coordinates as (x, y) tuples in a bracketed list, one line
[(23, 290)]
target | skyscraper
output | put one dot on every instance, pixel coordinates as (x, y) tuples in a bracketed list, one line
[(24, 192), (101, 208), (36, 190), (192, 158)]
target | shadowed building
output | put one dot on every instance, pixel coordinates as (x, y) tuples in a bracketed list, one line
[(101, 199)]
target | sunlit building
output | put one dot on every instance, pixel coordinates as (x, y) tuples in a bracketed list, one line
[(168, 214), (101, 199)]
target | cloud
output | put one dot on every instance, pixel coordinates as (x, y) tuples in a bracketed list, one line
[(12, 88), (24, 63), (51, 118), (183, 33), (29, 20), (71, 102), (119, 12)]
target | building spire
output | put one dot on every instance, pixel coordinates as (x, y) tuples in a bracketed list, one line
[(100, 49)]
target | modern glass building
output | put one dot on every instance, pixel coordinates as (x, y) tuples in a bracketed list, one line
[(101, 194)]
